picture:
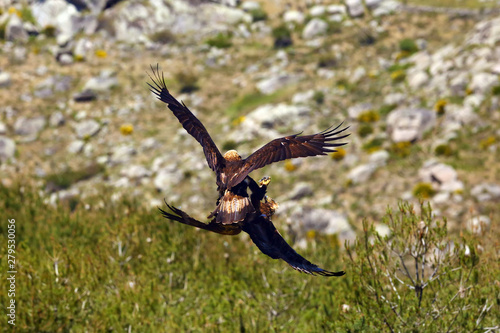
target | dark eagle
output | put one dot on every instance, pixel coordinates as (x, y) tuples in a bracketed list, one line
[(233, 203), (260, 228)]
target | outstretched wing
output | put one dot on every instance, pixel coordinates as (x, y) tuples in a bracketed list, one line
[(187, 119), (271, 243), (291, 147), (179, 216)]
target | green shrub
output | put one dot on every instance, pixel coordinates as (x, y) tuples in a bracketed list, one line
[(443, 150), (416, 277), (163, 37), (319, 97), (258, 15), (327, 61), (282, 37), (365, 130), (373, 145), (187, 80), (496, 90), (369, 116), (221, 41), (408, 45), (27, 15), (424, 191)]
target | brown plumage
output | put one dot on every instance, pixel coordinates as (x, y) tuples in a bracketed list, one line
[(262, 232), (231, 169)]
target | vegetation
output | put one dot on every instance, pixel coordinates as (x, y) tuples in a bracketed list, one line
[(188, 81), (221, 41), (113, 266), (258, 15), (163, 37), (282, 37)]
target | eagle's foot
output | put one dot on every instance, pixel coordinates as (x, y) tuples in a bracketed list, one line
[(264, 181), (269, 206)]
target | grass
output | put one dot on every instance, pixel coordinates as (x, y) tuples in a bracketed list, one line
[(251, 101), (114, 266)]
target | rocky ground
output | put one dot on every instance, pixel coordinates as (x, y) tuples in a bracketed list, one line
[(420, 91)]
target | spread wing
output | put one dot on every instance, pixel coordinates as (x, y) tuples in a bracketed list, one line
[(187, 119), (271, 243), (179, 216), (291, 147)]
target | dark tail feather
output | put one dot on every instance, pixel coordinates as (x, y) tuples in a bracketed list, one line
[(180, 216), (264, 234)]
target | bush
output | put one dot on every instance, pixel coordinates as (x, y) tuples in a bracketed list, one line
[(258, 15), (188, 81), (319, 97), (365, 130), (369, 116), (408, 45), (282, 37), (220, 41), (416, 277), (443, 150), (424, 191), (163, 37)]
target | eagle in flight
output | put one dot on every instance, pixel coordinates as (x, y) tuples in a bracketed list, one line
[(233, 203), (259, 226)]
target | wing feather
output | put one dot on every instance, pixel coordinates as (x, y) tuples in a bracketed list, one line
[(270, 242), (292, 146), (187, 119)]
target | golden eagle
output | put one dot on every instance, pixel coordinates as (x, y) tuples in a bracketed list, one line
[(233, 205), (260, 228)]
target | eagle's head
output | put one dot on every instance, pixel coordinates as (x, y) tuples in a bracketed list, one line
[(232, 156)]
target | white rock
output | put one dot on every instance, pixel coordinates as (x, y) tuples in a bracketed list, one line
[(59, 14), (486, 191), (371, 4), (75, 147), (14, 30), (474, 100), (303, 97), (105, 81), (122, 154), (387, 7), (394, 99), (5, 80), (478, 224), (383, 230), (135, 171), (315, 27), (355, 8), (294, 16), (483, 82), (336, 9), (250, 5), (409, 124), (317, 10), (29, 126), (361, 173), (270, 115), (379, 158), (7, 148), (417, 79), (87, 128), (269, 85), (3, 128), (56, 119), (326, 221)]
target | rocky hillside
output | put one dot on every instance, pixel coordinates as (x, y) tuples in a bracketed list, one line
[(420, 91)]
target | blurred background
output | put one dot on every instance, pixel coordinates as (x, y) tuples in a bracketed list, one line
[(417, 82)]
